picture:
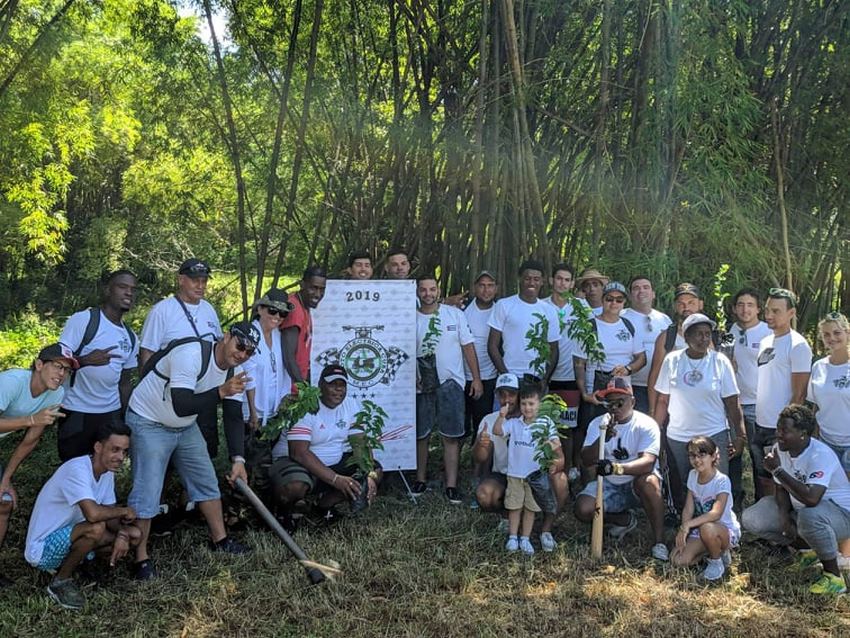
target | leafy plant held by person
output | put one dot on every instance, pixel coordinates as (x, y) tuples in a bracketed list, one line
[(581, 329), (295, 407), (536, 342)]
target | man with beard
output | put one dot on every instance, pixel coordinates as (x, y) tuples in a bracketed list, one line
[(297, 328), (516, 316), (397, 265), (107, 351)]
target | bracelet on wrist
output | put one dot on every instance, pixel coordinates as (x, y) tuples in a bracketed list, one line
[(774, 473)]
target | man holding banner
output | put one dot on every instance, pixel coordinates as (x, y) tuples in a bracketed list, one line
[(443, 343)]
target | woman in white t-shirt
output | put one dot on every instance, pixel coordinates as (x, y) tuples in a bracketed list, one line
[(829, 387), (696, 388), (709, 525)]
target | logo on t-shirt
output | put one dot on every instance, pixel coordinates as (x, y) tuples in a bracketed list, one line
[(702, 508), (620, 453), (124, 345), (624, 335), (842, 383), (800, 476), (767, 356), (816, 475), (341, 424)]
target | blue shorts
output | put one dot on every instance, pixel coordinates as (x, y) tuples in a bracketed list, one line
[(443, 408), (615, 498), (56, 548), (152, 446)]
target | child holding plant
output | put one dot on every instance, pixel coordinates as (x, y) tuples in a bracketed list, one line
[(523, 459), (709, 525)]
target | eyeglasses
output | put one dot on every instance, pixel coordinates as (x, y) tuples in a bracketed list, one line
[(246, 348), (697, 455), (615, 299), (783, 293), (60, 366), (274, 312)]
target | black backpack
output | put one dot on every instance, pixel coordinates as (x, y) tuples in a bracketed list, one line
[(156, 357), (91, 330)]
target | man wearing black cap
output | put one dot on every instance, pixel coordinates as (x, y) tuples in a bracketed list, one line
[(478, 314), (29, 399), (317, 460), (107, 350), (516, 316), (186, 314), (178, 386)]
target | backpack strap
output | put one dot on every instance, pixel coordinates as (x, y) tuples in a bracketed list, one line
[(629, 326), (670, 337), (88, 336)]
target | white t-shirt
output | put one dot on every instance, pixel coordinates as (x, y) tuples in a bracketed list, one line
[(268, 377), (778, 359), (648, 327), (16, 400), (454, 334), (166, 322), (327, 431), (521, 446), (705, 495), (565, 371), (746, 353), (514, 318), (829, 389), (478, 322), (95, 389), (617, 342), (500, 444), (57, 505), (151, 399), (817, 465), (697, 388), (640, 435)]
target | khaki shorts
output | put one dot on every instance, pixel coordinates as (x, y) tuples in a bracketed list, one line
[(518, 496)]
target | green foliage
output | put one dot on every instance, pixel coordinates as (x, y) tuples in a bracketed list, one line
[(23, 336), (537, 341), (370, 418), (581, 330), (542, 430), (720, 294), (294, 408), (432, 336)]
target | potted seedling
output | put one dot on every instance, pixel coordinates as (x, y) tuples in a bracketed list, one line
[(370, 419)]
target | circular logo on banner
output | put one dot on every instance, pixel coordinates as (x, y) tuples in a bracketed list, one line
[(364, 359)]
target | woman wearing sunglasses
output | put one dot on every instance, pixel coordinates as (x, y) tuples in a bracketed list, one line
[(697, 389), (829, 387)]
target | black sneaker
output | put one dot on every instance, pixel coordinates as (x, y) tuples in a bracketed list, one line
[(453, 496), (419, 488), (228, 545), (66, 593), (145, 570), (163, 524)]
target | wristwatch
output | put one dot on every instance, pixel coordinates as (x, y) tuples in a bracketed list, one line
[(238, 459), (619, 470), (629, 370)]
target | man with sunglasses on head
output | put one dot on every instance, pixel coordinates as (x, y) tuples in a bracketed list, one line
[(29, 400), (186, 314), (629, 467), (748, 331), (784, 366), (178, 387)]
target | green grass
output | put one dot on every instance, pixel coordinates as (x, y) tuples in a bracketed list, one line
[(413, 571)]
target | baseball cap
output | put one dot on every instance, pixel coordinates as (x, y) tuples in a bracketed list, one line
[(485, 273), (686, 289), (507, 381), (333, 372), (614, 286), (246, 333), (275, 298), (194, 268), (695, 319), (57, 352), (617, 385)]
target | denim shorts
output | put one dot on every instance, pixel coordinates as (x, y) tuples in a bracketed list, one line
[(152, 446), (615, 497), (843, 454), (443, 408)]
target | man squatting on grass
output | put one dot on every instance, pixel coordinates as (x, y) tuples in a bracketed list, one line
[(75, 516)]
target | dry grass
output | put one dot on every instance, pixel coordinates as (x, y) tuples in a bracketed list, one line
[(414, 571)]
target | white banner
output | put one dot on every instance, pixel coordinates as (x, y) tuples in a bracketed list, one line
[(369, 327)]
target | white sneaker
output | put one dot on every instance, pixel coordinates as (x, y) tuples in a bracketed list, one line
[(618, 532), (526, 546), (503, 526), (547, 542), (513, 544), (660, 552), (726, 557), (714, 570)]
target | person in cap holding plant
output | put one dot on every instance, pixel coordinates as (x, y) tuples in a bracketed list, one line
[(622, 347), (29, 400), (590, 283), (297, 326), (698, 390), (629, 467), (178, 386), (359, 265), (186, 314), (811, 501), (318, 462)]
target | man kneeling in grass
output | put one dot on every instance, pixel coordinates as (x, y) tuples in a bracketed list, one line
[(75, 516)]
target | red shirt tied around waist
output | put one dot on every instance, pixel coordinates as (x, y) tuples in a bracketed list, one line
[(297, 327)]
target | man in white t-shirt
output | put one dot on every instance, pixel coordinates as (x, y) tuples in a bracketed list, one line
[(784, 366), (186, 314), (107, 350), (748, 331), (590, 283), (29, 400), (811, 500), (513, 318), (649, 323), (75, 516), (478, 314), (443, 344), (629, 467), (177, 387)]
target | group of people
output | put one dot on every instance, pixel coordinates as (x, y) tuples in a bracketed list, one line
[(661, 410)]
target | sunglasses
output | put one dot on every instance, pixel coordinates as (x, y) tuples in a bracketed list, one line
[(783, 293), (274, 312), (615, 404), (246, 348), (615, 299), (834, 316)]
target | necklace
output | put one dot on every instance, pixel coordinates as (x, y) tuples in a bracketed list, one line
[(693, 376)]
